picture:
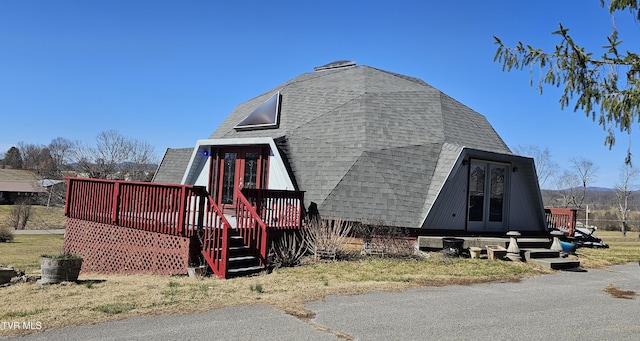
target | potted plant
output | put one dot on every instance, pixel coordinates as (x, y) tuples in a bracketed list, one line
[(59, 268)]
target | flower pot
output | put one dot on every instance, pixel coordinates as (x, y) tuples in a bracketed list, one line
[(496, 252), (6, 274), (57, 269), (568, 247), (475, 252)]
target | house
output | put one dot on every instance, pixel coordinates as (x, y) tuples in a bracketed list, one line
[(18, 184), (370, 146), (344, 141)]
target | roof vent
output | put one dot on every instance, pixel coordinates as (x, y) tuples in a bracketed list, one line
[(335, 65)]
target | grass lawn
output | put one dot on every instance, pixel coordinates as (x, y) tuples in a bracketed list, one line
[(25, 251), (42, 217), (96, 298)]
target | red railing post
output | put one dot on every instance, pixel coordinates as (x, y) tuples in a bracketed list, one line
[(183, 209), (116, 203), (68, 196)]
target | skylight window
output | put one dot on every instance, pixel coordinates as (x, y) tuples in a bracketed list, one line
[(265, 116)]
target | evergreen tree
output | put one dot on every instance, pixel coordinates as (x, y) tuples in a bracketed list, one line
[(607, 87), (12, 159)]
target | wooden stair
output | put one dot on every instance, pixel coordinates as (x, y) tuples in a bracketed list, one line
[(241, 259)]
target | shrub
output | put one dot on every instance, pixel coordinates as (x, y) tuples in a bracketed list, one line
[(63, 256), (325, 237), (388, 240), (20, 214), (6, 233), (288, 249)]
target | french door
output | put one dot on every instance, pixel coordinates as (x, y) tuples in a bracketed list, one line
[(239, 167), (487, 204)]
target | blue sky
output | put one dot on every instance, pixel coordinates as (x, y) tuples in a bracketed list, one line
[(169, 72)]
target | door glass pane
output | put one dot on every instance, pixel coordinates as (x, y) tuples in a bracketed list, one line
[(228, 178), (497, 193), (476, 192), (250, 169)]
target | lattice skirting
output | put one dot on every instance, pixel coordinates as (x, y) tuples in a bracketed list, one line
[(115, 249)]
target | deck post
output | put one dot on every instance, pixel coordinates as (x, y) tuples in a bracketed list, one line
[(181, 214), (115, 203)]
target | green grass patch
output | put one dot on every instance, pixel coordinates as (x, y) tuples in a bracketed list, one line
[(25, 250), (257, 288), (622, 250), (115, 308), (24, 313)]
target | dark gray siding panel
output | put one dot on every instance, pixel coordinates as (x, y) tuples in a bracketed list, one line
[(526, 211), (449, 210)]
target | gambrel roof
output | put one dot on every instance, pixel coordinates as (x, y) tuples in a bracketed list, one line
[(366, 144)]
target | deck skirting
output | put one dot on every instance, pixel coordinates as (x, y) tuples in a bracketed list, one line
[(109, 248)]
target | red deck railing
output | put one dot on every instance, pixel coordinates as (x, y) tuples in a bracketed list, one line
[(163, 208), (562, 219), (215, 235), (186, 211), (279, 209), (251, 227)]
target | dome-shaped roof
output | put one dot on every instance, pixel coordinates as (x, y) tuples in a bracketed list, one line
[(364, 143)]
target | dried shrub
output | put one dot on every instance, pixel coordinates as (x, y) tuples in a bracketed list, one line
[(6, 233), (324, 237), (20, 214), (386, 240), (288, 249)]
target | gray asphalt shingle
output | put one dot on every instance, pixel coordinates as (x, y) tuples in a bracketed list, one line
[(367, 144)]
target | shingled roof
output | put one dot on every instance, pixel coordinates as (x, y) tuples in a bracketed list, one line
[(367, 144), (173, 165)]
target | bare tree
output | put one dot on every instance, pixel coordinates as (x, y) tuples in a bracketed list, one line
[(545, 167), (20, 214), (142, 155), (115, 157), (625, 187), (61, 149), (566, 185), (30, 153), (585, 171)]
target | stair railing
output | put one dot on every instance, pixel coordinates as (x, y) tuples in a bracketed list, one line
[(251, 227), (215, 235)]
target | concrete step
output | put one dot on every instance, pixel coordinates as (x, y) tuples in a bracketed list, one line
[(539, 253), (556, 263)]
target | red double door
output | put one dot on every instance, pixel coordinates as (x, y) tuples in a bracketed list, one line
[(238, 167)]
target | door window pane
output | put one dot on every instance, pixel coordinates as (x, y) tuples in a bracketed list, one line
[(476, 192), (497, 193), (250, 170), (228, 178)]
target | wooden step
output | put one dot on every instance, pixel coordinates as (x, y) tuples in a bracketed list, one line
[(242, 258), (245, 271), (556, 263)]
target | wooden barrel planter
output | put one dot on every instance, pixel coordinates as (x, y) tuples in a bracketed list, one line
[(59, 268)]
